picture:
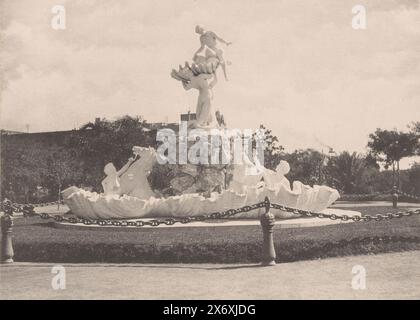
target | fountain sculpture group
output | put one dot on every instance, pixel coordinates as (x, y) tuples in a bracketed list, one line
[(189, 189)]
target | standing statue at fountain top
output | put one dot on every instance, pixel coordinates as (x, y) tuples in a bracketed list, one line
[(201, 75), (208, 40)]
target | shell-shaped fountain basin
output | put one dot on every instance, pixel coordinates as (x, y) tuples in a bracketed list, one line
[(99, 206)]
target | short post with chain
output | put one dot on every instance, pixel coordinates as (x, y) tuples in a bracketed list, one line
[(394, 197), (6, 238), (267, 223)]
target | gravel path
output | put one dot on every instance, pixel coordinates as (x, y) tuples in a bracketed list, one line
[(388, 276)]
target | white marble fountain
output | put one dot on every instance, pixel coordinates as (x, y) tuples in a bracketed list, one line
[(196, 188)]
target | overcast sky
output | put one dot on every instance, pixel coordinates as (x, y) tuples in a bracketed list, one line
[(298, 67)]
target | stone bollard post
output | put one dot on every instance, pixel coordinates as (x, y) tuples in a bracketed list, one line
[(267, 223), (394, 197), (6, 238)]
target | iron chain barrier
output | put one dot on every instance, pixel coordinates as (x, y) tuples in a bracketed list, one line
[(28, 210), (267, 220)]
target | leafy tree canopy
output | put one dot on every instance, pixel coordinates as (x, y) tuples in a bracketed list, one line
[(391, 146)]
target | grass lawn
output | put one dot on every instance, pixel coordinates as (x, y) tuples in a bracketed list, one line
[(38, 241)]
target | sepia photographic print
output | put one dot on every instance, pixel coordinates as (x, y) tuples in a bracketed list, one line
[(226, 152)]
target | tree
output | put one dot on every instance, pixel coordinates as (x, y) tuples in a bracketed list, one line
[(306, 166), (22, 169), (273, 151), (415, 130), (414, 179), (351, 172), (63, 169), (390, 146), (108, 141)]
